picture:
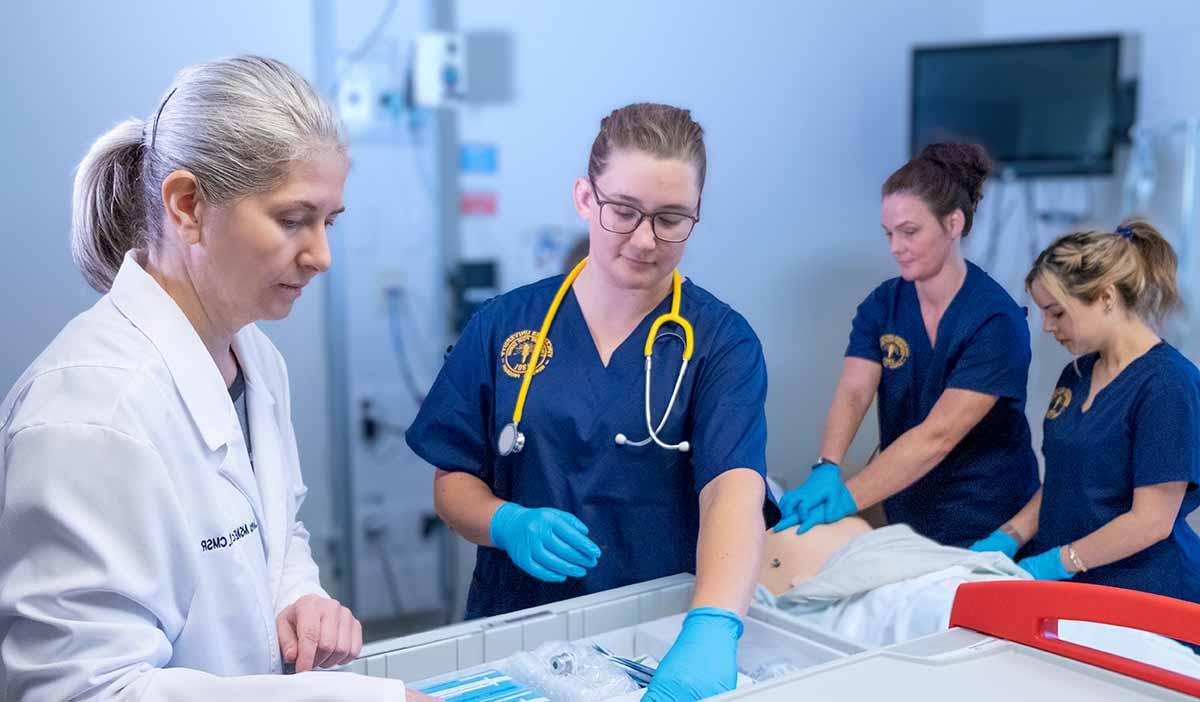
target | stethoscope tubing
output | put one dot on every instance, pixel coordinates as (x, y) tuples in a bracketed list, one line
[(511, 439), (653, 432)]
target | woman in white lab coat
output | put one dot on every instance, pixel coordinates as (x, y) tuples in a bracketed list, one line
[(149, 481)]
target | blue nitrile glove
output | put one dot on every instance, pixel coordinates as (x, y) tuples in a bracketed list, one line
[(822, 499), (997, 541), (1046, 566), (703, 660), (549, 544)]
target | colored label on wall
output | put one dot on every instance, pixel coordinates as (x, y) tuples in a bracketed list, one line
[(477, 158), (477, 203)]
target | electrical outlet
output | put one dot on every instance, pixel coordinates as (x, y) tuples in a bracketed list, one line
[(370, 98)]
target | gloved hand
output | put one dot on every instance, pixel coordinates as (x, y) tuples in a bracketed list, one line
[(703, 661), (822, 499), (997, 541), (549, 544), (1046, 566)]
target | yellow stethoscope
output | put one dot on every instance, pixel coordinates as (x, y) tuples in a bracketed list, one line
[(512, 440)]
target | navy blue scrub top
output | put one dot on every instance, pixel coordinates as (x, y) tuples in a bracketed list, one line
[(982, 345), (640, 503), (1143, 428)]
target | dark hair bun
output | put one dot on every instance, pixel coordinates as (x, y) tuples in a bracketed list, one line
[(967, 164)]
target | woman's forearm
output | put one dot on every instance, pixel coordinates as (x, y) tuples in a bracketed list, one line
[(842, 423), (729, 546), (1024, 524), (466, 503), (1150, 520), (855, 391), (918, 450), (903, 463)]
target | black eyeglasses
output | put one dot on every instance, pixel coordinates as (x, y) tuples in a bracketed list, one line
[(620, 218)]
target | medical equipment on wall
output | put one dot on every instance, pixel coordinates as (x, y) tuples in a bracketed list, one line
[(387, 309), (390, 308), (512, 440), (381, 93), (1153, 146), (439, 68), (473, 284), (399, 307), (375, 531)]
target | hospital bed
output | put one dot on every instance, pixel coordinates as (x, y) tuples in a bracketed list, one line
[(1002, 645)]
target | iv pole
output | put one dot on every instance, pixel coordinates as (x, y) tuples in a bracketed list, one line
[(1143, 137)]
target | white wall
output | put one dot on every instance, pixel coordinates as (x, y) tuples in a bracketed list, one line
[(70, 71), (805, 114)]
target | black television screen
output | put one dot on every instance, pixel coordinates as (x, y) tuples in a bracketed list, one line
[(1040, 108)]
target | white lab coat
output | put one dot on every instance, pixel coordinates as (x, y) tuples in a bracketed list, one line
[(141, 557)]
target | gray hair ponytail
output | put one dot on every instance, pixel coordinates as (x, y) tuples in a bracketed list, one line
[(236, 124), (106, 221)]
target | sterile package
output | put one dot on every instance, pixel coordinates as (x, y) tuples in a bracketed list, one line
[(764, 663), (569, 672), (486, 686)]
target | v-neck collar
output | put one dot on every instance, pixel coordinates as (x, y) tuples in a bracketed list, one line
[(638, 332), (1090, 375), (931, 344)]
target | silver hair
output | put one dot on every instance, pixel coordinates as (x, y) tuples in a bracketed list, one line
[(236, 124)]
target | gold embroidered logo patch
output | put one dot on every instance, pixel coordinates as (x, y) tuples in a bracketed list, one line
[(518, 347), (895, 351), (1059, 402)]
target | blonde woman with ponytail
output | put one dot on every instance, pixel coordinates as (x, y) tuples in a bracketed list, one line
[(1122, 432), (149, 477)]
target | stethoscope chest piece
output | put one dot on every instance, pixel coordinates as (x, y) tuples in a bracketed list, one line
[(511, 440)]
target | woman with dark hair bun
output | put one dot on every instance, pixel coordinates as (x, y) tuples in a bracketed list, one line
[(946, 350)]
